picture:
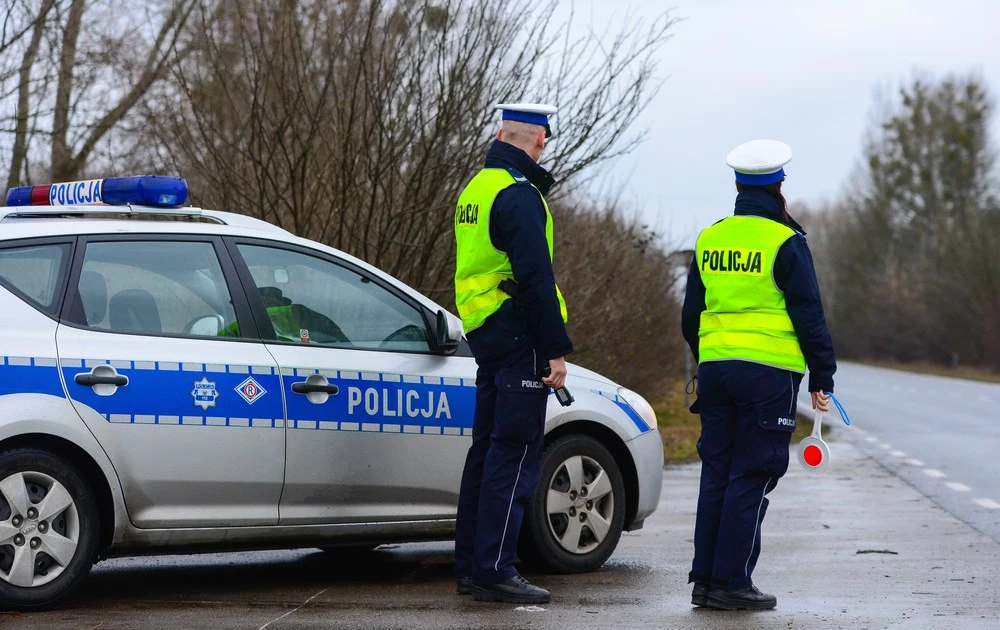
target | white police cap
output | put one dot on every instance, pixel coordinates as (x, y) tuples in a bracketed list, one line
[(531, 113), (759, 162)]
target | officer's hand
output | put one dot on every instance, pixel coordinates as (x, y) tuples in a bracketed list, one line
[(557, 378), (821, 401)]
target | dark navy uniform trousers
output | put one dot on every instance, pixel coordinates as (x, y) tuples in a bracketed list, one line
[(747, 420), (501, 468)]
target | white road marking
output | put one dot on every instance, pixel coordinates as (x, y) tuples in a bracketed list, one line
[(957, 487), (913, 390), (984, 398), (885, 447), (291, 611), (989, 504), (871, 439), (898, 454), (931, 472), (914, 462), (895, 388)]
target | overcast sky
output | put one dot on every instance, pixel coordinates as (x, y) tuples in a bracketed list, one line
[(805, 72)]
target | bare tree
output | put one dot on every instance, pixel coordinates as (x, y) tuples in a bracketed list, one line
[(84, 67), (622, 292), (21, 113), (357, 123), (914, 259)]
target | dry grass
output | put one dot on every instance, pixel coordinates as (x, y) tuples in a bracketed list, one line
[(984, 375), (679, 428)]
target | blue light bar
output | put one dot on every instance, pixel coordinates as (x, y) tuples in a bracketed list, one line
[(144, 190)]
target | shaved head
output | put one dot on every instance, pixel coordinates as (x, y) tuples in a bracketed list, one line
[(515, 131), (525, 136)]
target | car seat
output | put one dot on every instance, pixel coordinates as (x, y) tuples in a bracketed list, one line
[(134, 310)]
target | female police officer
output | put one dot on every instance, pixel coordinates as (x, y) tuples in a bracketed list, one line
[(753, 318)]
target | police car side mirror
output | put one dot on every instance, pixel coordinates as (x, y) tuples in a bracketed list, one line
[(448, 335), (207, 326)]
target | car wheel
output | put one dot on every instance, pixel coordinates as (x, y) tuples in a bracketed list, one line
[(576, 514), (48, 528)]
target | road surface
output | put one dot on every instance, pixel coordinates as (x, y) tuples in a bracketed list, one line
[(856, 548), (942, 435)]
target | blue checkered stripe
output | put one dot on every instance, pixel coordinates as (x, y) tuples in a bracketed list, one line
[(160, 393), (380, 402), (30, 375), (627, 408), (164, 393)]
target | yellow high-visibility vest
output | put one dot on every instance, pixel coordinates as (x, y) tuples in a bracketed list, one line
[(745, 316), (480, 267)]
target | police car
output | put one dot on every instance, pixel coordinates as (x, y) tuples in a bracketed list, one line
[(179, 379)]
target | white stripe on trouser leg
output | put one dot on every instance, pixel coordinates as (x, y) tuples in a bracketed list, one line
[(496, 565), (791, 383), (746, 565)]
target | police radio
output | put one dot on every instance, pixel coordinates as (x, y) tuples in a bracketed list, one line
[(562, 394)]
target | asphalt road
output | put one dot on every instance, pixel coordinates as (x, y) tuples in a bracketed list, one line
[(942, 435), (856, 548)]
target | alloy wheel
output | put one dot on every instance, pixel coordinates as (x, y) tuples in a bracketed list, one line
[(39, 529), (579, 504)]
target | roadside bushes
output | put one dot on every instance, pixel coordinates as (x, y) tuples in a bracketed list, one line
[(622, 293)]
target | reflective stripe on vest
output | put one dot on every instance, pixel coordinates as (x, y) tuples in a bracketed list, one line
[(480, 267), (745, 316)]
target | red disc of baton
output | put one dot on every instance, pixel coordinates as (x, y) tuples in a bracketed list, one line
[(812, 455)]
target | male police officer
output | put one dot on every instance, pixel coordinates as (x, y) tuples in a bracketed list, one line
[(514, 317), (754, 320)]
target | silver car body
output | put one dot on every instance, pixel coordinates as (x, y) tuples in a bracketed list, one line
[(381, 464)]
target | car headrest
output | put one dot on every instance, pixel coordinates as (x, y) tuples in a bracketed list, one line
[(272, 296), (93, 292), (134, 310)]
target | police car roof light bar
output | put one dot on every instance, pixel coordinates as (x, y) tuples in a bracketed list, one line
[(156, 191), (39, 212)]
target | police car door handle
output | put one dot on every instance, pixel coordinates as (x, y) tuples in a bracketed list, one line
[(305, 387), (89, 379)]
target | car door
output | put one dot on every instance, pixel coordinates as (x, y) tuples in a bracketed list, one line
[(378, 422), (189, 410)]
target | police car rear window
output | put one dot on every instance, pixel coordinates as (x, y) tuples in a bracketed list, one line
[(34, 273)]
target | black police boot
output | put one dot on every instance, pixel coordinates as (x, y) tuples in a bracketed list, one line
[(744, 599), (699, 595), (464, 585), (515, 590)]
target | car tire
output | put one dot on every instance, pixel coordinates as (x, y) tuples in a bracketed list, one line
[(570, 464), (57, 538)]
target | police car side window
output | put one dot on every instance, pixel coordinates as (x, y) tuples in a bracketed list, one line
[(34, 272), (312, 300), (154, 287)]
